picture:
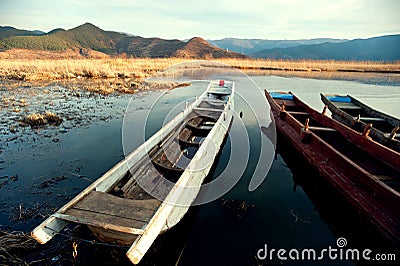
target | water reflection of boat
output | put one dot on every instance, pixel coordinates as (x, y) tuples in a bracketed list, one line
[(340, 216), (145, 194), (360, 117), (354, 165)]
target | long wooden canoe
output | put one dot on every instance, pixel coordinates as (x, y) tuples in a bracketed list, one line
[(359, 116), (365, 172), (153, 187)]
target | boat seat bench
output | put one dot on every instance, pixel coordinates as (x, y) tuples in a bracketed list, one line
[(297, 113), (208, 109), (100, 207), (388, 178), (348, 106), (322, 129), (371, 119)]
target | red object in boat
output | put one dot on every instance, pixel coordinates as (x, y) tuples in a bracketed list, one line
[(221, 82)]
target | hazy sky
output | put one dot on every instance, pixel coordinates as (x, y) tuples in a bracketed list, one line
[(212, 19)]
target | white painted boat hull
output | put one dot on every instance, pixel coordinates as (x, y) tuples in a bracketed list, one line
[(177, 202)]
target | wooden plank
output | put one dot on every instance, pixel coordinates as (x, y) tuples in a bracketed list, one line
[(162, 188), (107, 204), (297, 113), (321, 129), (208, 109), (347, 106), (213, 102), (371, 119), (105, 210), (93, 218), (396, 136), (99, 223), (388, 178), (151, 178)]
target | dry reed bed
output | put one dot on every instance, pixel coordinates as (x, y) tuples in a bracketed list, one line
[(56, 69), (314, 65), (45, 69)]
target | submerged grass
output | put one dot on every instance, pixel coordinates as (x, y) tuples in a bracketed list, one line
[(12, 244)]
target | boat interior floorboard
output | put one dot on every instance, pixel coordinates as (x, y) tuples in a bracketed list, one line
[(354, 153)]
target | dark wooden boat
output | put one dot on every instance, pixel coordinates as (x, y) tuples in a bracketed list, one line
[(365, 172), (360, 117)]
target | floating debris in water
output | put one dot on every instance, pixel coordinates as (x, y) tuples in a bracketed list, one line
[(237, 207), (22, 213), (51, 181), (35, 120), (298, 218)]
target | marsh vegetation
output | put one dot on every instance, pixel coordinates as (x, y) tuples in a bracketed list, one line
[(140, 68)]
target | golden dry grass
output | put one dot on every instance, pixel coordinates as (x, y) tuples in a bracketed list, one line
[(36, 120), (134, 68), (313, 65), (51, 69)]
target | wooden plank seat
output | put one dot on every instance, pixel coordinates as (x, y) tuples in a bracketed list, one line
[(349, 106), (297, 113), (322, 129), (188, 137), (370, 119), (208, 109), (396, 136), (388, 178), (99, 207), (219, 105)]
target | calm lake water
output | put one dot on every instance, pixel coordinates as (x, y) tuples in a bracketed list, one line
[(292, 208)]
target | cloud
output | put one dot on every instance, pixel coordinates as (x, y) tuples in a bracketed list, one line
[(285, 19)]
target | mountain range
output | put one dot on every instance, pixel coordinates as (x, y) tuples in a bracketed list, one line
[(250, 46), (384, 48), (89, 38)]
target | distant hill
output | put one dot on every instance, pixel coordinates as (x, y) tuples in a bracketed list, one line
[(55, 30), (8, 31), (90, 37), (200, 48), (384, 48), (250, 46)]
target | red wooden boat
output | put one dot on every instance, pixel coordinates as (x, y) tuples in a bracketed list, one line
[(359, 116), (365, 172)]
